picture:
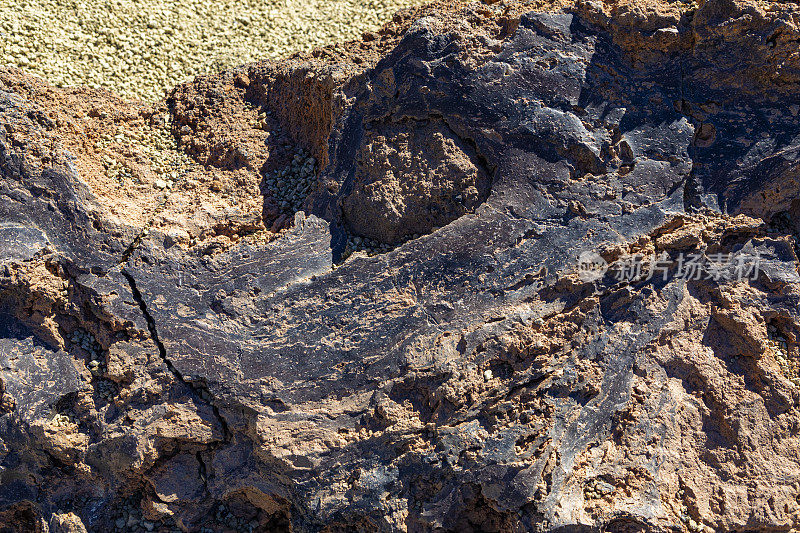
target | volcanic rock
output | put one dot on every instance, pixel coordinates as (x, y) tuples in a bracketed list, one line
[(219, 360)]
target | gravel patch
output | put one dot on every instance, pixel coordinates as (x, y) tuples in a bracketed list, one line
[(141, 48)]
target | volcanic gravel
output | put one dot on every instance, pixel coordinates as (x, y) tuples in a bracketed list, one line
[(141, 48)]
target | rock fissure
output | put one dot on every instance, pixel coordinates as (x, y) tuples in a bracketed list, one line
[(201, 394)]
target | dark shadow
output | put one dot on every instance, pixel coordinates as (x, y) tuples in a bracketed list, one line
[(12, 328)]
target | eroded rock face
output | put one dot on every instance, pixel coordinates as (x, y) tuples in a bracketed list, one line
[(251, 376), (411, 178)]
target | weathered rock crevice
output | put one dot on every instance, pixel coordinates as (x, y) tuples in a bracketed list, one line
[(201, 393)]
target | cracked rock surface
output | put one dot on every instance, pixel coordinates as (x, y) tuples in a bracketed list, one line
[(199, 345)]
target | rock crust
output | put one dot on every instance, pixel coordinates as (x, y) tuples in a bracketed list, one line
[(205, 356)]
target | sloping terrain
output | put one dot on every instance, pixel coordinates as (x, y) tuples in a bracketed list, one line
[(141, 49), (497, 267)]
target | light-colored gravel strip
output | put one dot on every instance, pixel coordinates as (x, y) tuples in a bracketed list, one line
[(141, 48)]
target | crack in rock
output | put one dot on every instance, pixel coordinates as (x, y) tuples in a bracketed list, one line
[(201, 393)]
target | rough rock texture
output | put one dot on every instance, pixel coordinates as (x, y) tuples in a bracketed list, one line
[(411, 178), (253, 374)]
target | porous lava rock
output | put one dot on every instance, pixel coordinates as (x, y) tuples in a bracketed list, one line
[(216, 362)]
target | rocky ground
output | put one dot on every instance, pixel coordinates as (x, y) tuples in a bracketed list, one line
[(141, 49), (434, 280)]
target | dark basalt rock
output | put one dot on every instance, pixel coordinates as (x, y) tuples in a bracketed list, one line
[(35, 377), (44, 203), (469, 379)]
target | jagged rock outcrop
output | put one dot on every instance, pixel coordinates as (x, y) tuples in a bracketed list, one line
[(419, 347)]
